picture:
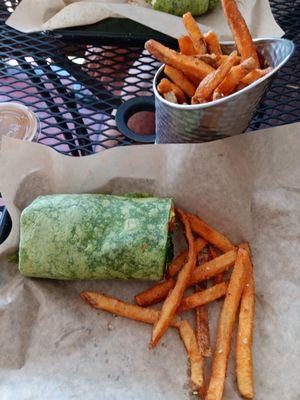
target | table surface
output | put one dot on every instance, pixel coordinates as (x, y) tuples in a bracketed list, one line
[(75, 89)]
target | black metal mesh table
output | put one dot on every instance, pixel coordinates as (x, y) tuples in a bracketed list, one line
[(75, 89)]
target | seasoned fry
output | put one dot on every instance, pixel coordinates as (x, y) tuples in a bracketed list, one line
[(243, 350), (215, 60), (206, 271), (155, 294), (180, 80), (223, 57), (195, 81), (186, 46), (255, 75), (194, 32), (226, 326), (176, 265), (202, 326), (115, 306), (173, 300), (196, 360), (187, 64), (212, 43), (210, 234), (205, 296), (166, 86), (171, 97), (214, 254), (229, 84), (209, 84), (210, 59), (240, 31)]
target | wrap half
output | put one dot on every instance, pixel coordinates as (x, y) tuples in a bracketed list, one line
[(91, 236)]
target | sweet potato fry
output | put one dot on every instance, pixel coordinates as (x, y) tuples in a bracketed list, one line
[(210, 234), (187, 64), (155, 294), (240, 31), (255, 75), (214, 254), (201, 313), (226, 326), (206, 271), (229, 84), (196, 360), (243, 350), (180, 80), (186, 46), (174, 298), (194, 32), (212, 43), (195, 81), (202, 326), (215, 60), (171, 97), (166, 86), (209, 84), (205, 296), (210, 59), (115, 306), (178, 262)]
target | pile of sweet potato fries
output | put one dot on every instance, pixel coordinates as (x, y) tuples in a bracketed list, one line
[(200, 72), (208, 257)]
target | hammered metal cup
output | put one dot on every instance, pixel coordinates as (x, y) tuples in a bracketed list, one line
[(177, 123)]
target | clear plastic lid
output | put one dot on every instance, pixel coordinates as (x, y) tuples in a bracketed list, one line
[(18, 121)]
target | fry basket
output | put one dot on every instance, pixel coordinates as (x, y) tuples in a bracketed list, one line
[(229, 116)]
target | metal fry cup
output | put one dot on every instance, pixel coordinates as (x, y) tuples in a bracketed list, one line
[(229, 116)]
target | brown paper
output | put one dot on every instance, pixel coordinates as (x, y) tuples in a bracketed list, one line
[(37, 15), (54, 346)]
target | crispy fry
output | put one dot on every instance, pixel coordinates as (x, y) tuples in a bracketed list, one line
[(195, 81), (187, 64), (194, 32), (201, 313), (210, 234), (119, 307), (171, 97), (197, 366), (202, 326), (186, 46), (180, 80), (210, 59), (243, 350), (240, 31), (229, 84), (255, 75), (209, 84), (174, 298), (226, 326), (212, 43), (206, 271), (205, 296), (214, 254), (155, 294), (178, 262), (166, 86), (216, 60), (223, 57), (213, 267)]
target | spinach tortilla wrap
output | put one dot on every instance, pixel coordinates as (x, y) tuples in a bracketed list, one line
[(91, 236)]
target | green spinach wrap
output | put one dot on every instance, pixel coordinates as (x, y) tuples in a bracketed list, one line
[(93, 236)]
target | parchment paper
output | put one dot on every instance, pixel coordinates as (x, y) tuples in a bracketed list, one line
[(37, 15), (53, 346)]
